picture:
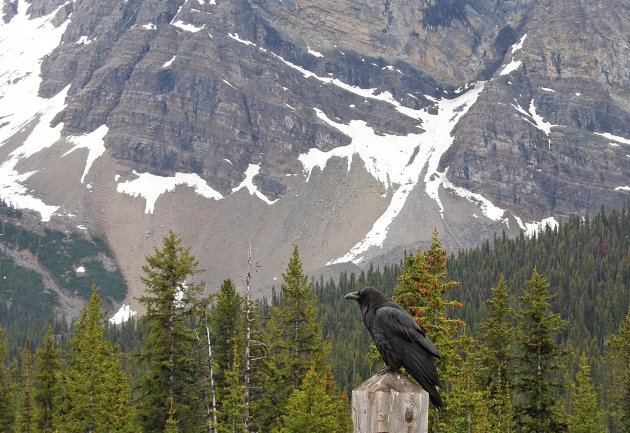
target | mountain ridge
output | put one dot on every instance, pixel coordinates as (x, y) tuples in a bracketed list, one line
[(279, 123)]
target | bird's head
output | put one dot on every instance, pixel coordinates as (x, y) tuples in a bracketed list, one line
[(367, 295)]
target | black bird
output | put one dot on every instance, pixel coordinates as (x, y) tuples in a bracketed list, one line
[(399, 340)]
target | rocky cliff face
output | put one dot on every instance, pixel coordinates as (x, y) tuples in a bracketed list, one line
[(350, 128)]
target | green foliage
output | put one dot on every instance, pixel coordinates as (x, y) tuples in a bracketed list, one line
[(97, 389), (172, 425), (6, 391), (295, 335), (618, 363), (226, 325), (48, 384), (169, 353), (232, 414), (422, 290), (315, 408), (494, 359), (25, 419), (585, 416), (62, 253), (539, 358), (25, 307)]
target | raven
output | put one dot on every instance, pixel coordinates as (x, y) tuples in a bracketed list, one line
[(399, 340)]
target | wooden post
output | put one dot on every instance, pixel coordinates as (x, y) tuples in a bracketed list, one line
[(390, 403)]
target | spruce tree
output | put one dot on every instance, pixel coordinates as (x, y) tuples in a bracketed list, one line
[(226, 328), (48, 384), (171, 426), (232, 413), (540, 357), (97, 388), (618, 361), (169, 353), (423, 290), (585, 416), (315, 408), (25, 420), (295, 335), (495, 358), (7, 417)]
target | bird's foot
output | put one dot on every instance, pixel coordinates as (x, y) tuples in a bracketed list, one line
[(386, 369)]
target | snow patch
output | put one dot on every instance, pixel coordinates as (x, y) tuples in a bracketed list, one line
[(532, 229), (187, 27), (396, 161), (94, 142), (535, 119), (248, 183), (622, 188), (151, 187), (123, 314), (487, 207), (314, 53), (80, 270), (517, 46), (391, 68), (169, 63), (510, 67), (149, 26), (237, 38), (615, 138), (23, 43), (84, 40)]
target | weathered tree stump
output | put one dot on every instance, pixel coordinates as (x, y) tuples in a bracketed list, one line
[(390, 403)]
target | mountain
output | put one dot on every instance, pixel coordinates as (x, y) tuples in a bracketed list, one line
[(351, 129)]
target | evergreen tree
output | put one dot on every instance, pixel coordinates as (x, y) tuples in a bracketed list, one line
[(6, 391), (495, 356), (618, 360), (539, 359), (295, 335), (48, 388), (226, 328), (232, 415), (585, 416), (423, 290), (170, 348), (97, 388), (171, 426), (25, 420), (315, 408)]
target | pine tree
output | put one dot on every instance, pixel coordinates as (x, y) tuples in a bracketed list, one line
[(618, 360), (97, 388), (170, 348), (25, 420), (539, 359), (7, 417), (315, 408), (48, 389), (585, 416), (295, 334)]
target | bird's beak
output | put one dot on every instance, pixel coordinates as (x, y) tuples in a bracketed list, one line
[(352, 295)]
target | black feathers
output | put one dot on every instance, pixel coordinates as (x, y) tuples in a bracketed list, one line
[(399, 340)]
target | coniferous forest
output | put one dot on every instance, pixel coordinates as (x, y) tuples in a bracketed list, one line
[(534, 336)]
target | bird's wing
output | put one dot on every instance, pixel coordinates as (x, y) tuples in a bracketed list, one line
[(409, 346), (397, 322)]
